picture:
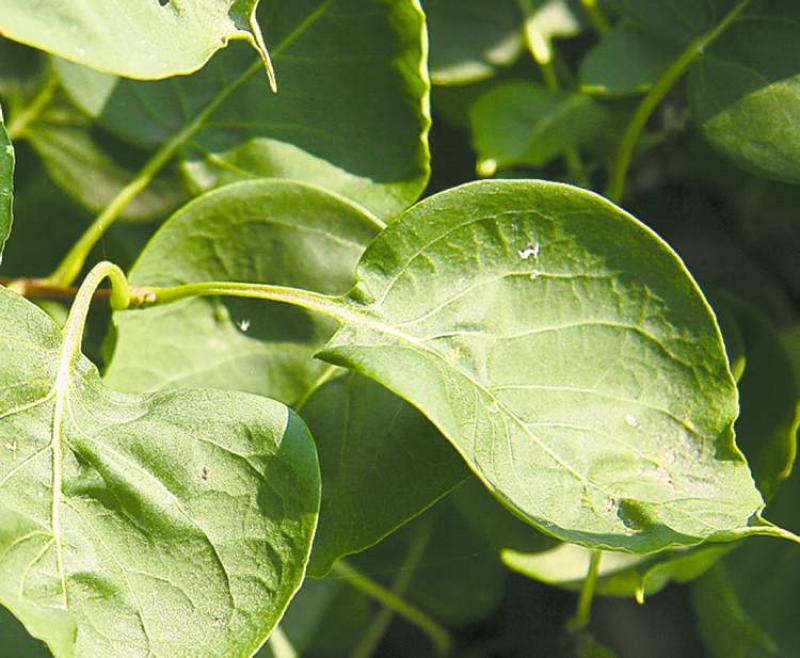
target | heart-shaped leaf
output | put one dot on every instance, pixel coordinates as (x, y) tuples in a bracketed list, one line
[(181, 36), (127, 523), (567, 354), (257, 231), (6, 184), (348, 69)]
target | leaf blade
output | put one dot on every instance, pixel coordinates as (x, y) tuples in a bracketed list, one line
[(654, 308), (107, 523)]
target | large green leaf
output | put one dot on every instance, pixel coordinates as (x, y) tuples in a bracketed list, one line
[(382, 463), (180, 37), (745, 91), (128, 522), (256, 231), (567, 354), (349, 69), (471, 39), (520, 123), (6, 184)]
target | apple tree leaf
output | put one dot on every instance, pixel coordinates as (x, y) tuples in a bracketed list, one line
[(180, 36), (128, 522), (566, 353)]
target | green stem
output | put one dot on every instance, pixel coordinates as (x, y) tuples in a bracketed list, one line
[(438, 634), (584, 612), (19, 123), (596, 16), (377, 629), (76, 320), (668, 79), (72, 264), (313, 301)]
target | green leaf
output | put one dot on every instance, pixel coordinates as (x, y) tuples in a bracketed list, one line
[(128, 522), (471, 39), (744, 92), (350, 70), (520, 123), (566, 353), (92, 170), (7, 161), (382, 463), (625, 62), (254, 231), (180, 36)]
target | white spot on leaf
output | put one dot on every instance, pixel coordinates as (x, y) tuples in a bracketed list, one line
[(243, 324), (631, 420), (531, 251)]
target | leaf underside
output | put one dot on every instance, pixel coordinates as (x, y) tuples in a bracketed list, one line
[(127, 523)]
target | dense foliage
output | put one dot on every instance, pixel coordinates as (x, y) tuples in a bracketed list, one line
[(341, 398)]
